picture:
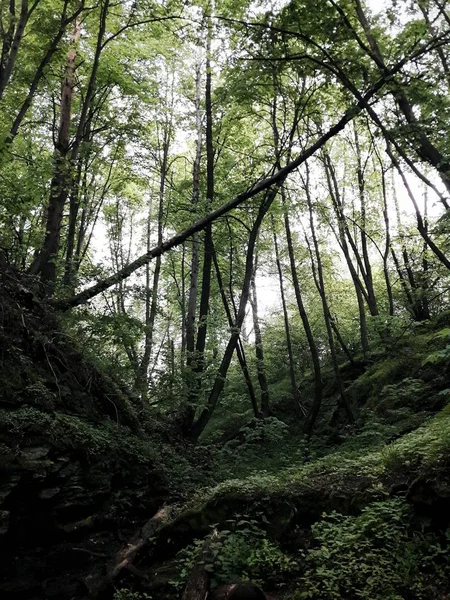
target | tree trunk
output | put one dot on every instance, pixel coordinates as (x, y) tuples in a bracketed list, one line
[(319, 278), (387, 240), (361, 293), (219, 382), (294, 389), (12, 38), (208, 243), (318, 384), (240, 352), (368, 278), (44, 263), (425, 149), (190, 324), (141, 383), (39, 73), (346, 236), (259, 349), (195, 261)]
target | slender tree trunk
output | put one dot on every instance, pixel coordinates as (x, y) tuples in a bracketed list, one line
[(387, 242), (294, 388), (190, 324), (195, 261), (141, 383), (319, 278), (12, 38), (368, 278), (425, 149), (240, 352), (361, 293), (208, 243), (366, 288), (74, 206), (318, 384), (440, 52), (404, 285), (45, 261), (219, 382), (183, 306), (259, 348), (40, 71), (421, 224)]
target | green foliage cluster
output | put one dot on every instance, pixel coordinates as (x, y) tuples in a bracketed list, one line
[(73, 433), (256, 446), (372, 556), (242, 551), (427, 447), (442, 355)]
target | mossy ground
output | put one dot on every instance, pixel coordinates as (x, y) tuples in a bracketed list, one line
[(85, 464)]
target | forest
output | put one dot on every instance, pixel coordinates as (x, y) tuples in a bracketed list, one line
[(225, 299)]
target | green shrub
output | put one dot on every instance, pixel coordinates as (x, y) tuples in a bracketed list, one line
[(371, 556), (243, 551)]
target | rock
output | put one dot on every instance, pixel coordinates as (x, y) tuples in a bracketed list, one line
[(82, 524), (34, 453), (49, 493), (4, 521), (7, 487)]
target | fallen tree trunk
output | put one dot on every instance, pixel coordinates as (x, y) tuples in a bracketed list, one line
[(98, 581)]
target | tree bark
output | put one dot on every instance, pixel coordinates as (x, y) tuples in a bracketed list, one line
[(294, 388), (219, 382), (320, 282), (318, 384), (100, 580), (342, 236), (195, 262), (259, 348), (39, 73), (45, 261), (240, 352), (425, 149), (12, 39), (208, 242), (141, 383)]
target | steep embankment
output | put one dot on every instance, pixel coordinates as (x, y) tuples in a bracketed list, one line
[(367, 519), (78, 470), (82, 472)]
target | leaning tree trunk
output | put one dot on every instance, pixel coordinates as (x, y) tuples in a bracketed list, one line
[(240, 352), (294, 388), (259, 348), (219, 382), (320, 282), (424, 147)]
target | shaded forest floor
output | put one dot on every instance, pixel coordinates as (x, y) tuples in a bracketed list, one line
[(358, 512)]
